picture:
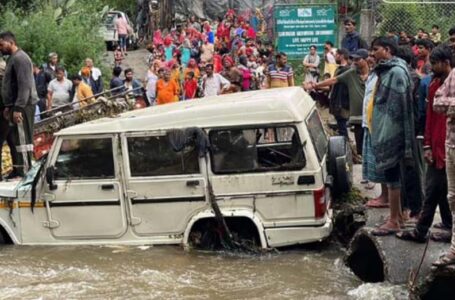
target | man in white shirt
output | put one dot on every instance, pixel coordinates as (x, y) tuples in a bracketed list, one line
[(214, 84), (59, 90)]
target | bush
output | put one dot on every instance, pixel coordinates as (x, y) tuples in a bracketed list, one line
[(72, 32)]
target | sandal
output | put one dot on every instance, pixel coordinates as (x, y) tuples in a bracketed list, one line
[(376, 203), (411, 235), (370, 186), (441, 226), (441, 237), (446, 260), (384, 230)]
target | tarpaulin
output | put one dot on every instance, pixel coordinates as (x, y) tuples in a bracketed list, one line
[(211, 9)]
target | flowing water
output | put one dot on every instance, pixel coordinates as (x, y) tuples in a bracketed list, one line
[(166, 272)]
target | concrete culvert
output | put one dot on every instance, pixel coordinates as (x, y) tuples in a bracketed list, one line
[(440, 288), (387, 258), (439, 284), (364, 259)]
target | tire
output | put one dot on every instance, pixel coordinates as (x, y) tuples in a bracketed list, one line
[(4, 238), (340, 165)]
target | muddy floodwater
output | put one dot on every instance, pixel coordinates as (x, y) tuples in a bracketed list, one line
[(165, 272)]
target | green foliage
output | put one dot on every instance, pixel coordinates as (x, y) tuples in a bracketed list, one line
[(299, 71), (127, 6), (58, 26), (410, 17)]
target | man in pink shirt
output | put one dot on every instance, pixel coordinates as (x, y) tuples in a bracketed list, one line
[(444, 102), (121, 25)]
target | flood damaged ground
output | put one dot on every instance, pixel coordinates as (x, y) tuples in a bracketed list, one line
[(165, 272)]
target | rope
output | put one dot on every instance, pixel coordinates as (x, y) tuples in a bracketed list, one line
[(421, 262)]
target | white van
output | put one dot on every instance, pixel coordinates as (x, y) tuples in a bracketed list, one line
[(121, 180), (110, 35)]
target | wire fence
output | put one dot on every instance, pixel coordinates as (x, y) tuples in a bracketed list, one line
[(411, 15)]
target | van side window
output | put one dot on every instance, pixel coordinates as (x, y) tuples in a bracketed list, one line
[(85, 159), (256, 150), (154, 156), (317, 134)]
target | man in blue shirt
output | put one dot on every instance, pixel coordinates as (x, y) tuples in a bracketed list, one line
[(352, 40), (117, 82)]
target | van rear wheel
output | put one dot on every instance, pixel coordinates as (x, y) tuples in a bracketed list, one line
[(340, 165), (205, 234), (4, 237)]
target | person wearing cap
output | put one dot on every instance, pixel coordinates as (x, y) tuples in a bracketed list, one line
[(51, 66), (354, 79)]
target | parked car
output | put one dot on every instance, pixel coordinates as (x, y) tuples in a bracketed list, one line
[(153, 176), (109, 32)]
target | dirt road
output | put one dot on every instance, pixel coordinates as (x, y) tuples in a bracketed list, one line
[(135, 59)]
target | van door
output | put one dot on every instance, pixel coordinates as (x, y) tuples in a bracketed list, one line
[(87, 200), (165, 188)]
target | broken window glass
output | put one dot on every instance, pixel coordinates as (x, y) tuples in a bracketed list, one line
[(317, 134), (85, 159), (256, 150), (154, 156)]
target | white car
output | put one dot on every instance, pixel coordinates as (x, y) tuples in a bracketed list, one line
[(109, 32), (159, 175)]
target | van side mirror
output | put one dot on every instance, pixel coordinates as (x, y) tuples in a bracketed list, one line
[(50, 173)]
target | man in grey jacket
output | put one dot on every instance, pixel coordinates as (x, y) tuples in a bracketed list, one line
[(19, 98)]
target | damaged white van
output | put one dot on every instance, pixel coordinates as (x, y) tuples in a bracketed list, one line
[(252, 165)]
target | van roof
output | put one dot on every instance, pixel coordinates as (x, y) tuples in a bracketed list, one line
[(273, 106)]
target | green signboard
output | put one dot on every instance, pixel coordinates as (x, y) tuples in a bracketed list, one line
[(299, 27)]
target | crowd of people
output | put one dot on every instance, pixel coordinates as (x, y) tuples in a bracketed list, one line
[(397, 95), (201, 58)]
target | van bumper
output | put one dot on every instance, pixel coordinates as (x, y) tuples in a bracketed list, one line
[(286, 236)]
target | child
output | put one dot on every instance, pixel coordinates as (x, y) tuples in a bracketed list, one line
[(189, 86), (435, 35), (118, 56)]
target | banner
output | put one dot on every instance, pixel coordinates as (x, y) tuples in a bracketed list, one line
[(299, 27)]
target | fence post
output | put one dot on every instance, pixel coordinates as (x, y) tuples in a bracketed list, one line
[(367, 24)]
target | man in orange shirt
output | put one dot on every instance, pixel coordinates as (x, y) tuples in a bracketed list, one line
[(166, 89), (82, 92)]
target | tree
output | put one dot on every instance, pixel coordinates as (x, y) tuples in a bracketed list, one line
[(58, 26), (127, 6)]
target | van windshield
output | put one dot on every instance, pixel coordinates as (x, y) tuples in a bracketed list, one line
[(109, 21), (256, 150)]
